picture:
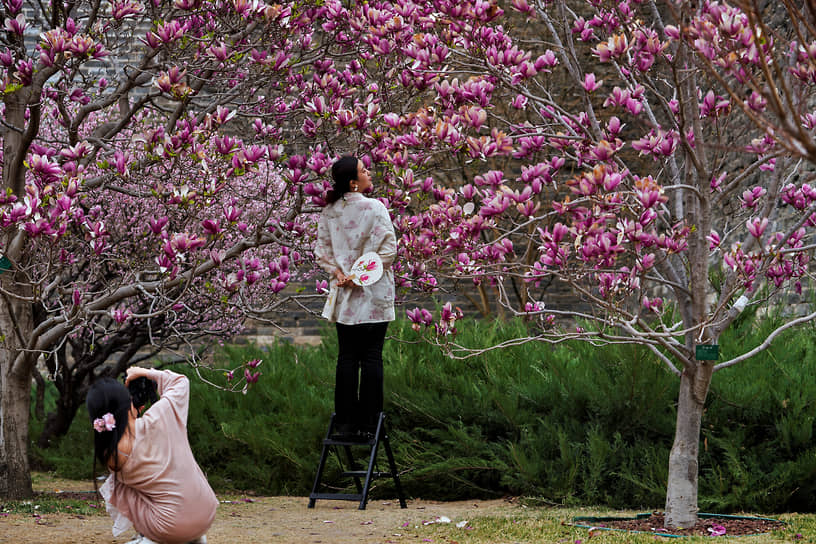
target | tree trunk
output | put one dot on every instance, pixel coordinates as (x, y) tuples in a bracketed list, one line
[(681, 492), (39, 397), (16, 366), (58, 422)]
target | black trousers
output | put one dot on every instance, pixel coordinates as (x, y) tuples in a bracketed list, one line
[(358, 391)]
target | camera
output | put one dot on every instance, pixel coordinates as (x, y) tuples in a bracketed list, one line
[(142, 390)]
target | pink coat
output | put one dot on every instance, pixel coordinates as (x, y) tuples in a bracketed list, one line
[(160, 488)]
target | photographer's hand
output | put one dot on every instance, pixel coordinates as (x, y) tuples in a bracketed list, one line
[(135, 372)]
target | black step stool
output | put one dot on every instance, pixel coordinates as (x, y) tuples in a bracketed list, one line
[(380, 436)]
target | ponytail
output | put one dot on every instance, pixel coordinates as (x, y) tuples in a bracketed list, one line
[(344, 170)]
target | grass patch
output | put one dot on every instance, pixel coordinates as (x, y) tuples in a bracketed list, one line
[(68, 502), (55, 495), (552, 525)]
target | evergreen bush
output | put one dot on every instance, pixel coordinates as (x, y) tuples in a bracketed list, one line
[(570, 423)]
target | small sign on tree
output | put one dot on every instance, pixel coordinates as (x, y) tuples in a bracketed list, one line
[(709, 352)]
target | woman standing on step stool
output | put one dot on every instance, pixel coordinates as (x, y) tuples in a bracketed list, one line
[(355, 244), (154, 482)]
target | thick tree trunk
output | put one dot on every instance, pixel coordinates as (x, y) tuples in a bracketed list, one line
[(39, 397), (681, 492), (15, 389)]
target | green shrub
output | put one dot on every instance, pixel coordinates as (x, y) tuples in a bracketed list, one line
[(758, 450), (570, 423), (269, 439)]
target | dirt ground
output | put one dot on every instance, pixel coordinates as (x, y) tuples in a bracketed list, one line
[(278, 520)]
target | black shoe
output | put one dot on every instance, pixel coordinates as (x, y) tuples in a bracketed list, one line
[(369, 428), (345, 432)]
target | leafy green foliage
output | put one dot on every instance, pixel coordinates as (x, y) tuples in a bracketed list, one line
[(758, 450), (569, 424), (268, 439)]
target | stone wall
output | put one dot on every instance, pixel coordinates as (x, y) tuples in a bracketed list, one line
[(302, 325)]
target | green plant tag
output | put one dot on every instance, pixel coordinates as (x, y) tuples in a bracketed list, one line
[(5, 264), (708, 352)]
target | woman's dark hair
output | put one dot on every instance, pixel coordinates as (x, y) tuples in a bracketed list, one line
[(344, 170), (142, 391), (108, 396)]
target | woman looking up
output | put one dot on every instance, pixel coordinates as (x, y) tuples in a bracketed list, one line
[(352, 225)]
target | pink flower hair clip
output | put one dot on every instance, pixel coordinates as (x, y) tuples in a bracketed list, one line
[(104, 423)]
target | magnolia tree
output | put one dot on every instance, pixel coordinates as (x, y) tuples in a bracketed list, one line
[(655, 158), (161, 165), (194, 314)]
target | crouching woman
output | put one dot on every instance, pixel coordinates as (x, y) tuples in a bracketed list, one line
[(154, 482)]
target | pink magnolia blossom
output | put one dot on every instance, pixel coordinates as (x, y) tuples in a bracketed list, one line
[(16, 25), (750, 198), (590, 84), (757, 226), (251, 377)]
